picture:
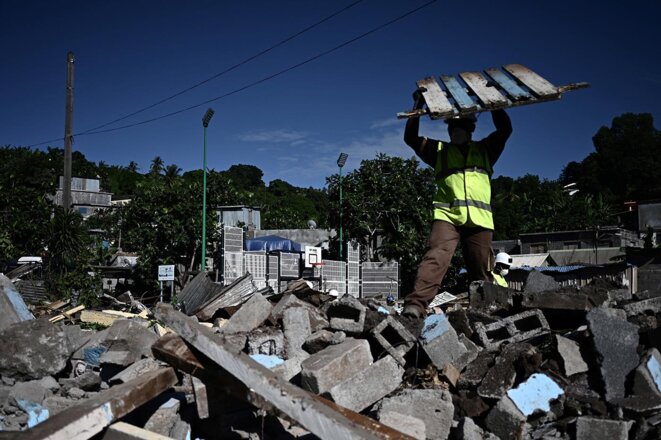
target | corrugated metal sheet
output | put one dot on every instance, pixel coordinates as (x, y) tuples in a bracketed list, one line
[(32, 291), (586, 256), (197, 291), (529, 260)]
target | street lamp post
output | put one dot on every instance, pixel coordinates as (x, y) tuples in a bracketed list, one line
[(205, 123), (340, 163)]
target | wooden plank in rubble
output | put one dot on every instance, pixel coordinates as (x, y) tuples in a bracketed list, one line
[(324, 420), (459, 94), (438, 104), (515, 91), (85, 420), (536, 83), (490, 97)]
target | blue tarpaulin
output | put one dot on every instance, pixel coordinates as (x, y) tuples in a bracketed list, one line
[(272, 243)]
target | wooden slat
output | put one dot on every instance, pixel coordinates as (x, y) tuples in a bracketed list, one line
[(510, 86), (91, 416), (490, 97), (437, 103), (458, 93), (537, 84), (323, 420)]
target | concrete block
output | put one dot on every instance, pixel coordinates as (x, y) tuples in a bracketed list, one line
[(12, 305), (317, 319), (369, 385), (267, 341), (164, 418), (651, 306), (619, 295), (347, 315), (472, 351), (570, 353), (90, 380), (321, 339), (394, 338), (125, 431), (591, 428), (490, 297), (28, 392), (476, 371), (535, 394), (434, 407), (558, 301), (334, 364), (296, 324), (133, 371), (515, 328), (647, 378), (250, 316), (501, 376), (538, 282), (409, 425), (201, 398), (120, 354), (291, 367), (440, 342), (34, 349), (468, 430), (506, 421), (616, 341)]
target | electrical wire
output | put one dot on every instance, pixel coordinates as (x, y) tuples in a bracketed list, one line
[(231, 68), (257, 82)]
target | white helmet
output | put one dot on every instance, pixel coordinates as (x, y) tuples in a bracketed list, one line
[(504, 258)]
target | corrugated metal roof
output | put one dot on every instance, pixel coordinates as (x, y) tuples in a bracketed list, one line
[(550, 268), (586, 256)]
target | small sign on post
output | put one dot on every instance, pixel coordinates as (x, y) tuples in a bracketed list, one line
[(165, 273)]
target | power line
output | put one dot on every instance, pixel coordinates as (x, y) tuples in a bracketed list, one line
[(229, 69), (262, 80)]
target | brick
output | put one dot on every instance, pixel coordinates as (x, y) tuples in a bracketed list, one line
[(440, 342), (296, 324), (616, 341), (268, 341), (515, 328), (535, 393), (334, 364), (369, 385), (539, 282), (409, 425), (432, 406), (250, 316), (652, 306), (506, 421), (347, 315), (321, 339), (591, 428), (570, 353), (394, 338), (647, 378)]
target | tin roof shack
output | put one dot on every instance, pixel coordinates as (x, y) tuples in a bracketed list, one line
[(86, 195), (239, 216), (603, 237)]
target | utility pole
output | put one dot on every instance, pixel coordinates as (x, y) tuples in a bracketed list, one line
[(205, 123), (68, 123), (340, 163)]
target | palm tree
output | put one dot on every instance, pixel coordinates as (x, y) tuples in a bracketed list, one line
[(172, 172), (133, 166), (157, 166)]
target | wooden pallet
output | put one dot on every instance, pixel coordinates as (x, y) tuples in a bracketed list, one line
[(474, 92)]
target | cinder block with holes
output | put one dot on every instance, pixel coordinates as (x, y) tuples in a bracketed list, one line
[(515, 328), (394, 338), (347, 315)]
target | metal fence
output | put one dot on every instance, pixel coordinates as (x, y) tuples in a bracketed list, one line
[(380, 279)]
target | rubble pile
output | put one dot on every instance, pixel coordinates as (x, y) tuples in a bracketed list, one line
[(549, 362)]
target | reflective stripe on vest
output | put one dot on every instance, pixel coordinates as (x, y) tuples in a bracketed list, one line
[(463, 194)]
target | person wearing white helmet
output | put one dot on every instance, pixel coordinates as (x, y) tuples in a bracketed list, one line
[(462, 204), (501, 268)]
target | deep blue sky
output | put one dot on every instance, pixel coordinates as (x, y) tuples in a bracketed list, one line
[(130, 54)]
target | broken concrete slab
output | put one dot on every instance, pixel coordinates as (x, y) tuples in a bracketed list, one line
[(268, 341), (164, 418), (516, 328), (440, 342), (334, 364), (125, 431), (616, 341), (647, 378), (89, 381), (135, 370), (250, 316), (539, 282), (28, 392), (369, 385), (12, 305), (394, 338), (34, 349), (296, 324), (570, 354), (321, 339), (652, 306), (318, 320), (476, 371), (434, 407), (491, 297), (501, 376), (506, 421), (558, 301), (404, 423), (592, 428), (468, 430), (291, 367), (535, 393), (347, 314)]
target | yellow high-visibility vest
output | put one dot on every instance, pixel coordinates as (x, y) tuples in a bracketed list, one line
[(498, 279), (463, 195)]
